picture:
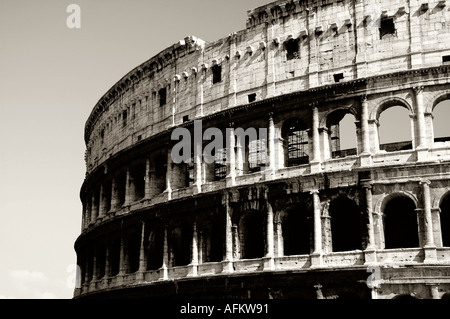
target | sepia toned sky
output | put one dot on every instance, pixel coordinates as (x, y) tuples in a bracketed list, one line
[(50, 79)]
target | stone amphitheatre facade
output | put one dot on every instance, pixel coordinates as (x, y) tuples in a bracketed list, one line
[(291, 214)]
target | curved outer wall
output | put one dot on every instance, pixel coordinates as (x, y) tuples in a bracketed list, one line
[(309, 219)]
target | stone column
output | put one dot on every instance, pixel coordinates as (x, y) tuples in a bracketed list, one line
[(369, 253), (228, 262), (420, 116), (163, 272), (142, 259), (194, 260), (107, 263), (280, 246), (269, 262), (148, 185), (169, 173), (316, 256), (115, 200), (94, 266), (198, 138), (315, 162), (231, 157), (94, 209), (422, 149), (122, 257), (87, 212), (429, 246), (130, 192), (271, 143), (365, 155), (240, 155), (102, 203), (434, 291), (365, 125)]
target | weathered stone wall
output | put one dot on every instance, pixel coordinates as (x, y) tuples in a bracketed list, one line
[(334, 37)]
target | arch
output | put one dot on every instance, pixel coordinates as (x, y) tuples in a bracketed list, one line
[(394, 113), (181, 245), (133, 244), (294, 133), (346, 233), (400, 221), (297, 230), (445, 219), (342, 136), (446, 296), (251, 234), (387, 103), (441, 113), (155, 248), (438, 99)]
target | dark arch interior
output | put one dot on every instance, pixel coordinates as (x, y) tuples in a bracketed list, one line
[(252, 231), (216, 238), (445, 221), (345, 224), (181, 246), (155, 248), (400, 223), (133, 248), (297, 231)]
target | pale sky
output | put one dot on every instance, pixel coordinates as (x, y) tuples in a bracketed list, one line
[(50, 79)]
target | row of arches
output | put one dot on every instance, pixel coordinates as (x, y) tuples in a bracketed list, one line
[(180, 243)]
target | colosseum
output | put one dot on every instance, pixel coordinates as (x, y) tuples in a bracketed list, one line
[(290, 212)]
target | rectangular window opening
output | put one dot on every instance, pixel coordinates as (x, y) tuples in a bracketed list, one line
[(124, 118), (292, 48), (251, 97), (217, 73), (338, 77), (185, 118), (387, 27), (446, 59), (162, 96)]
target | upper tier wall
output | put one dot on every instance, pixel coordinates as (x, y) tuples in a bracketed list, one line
[(337, 41)]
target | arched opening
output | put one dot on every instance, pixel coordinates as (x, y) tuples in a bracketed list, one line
[(441, 114), (220, 164), (295, 136), (395, 129), (158, 184), (181, 246), (257, 152), (342, 134), (155, 249), (251, 235), (138, 175), (101, 260), (133, 249), (114, 257), (297, 229), (345, 224), (400, 223), (212, 239), (107, 193), (445, 220)]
